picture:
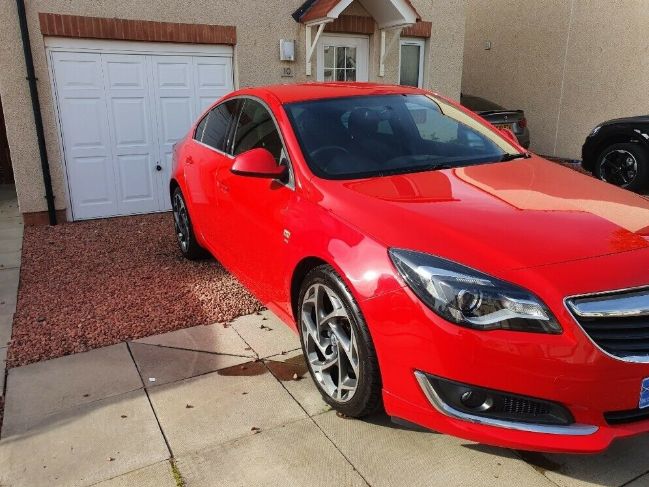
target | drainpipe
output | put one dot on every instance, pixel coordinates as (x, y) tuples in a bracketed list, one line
[(36, 107)]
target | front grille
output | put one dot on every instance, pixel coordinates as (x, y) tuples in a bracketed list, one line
[(622, 337), (624, 417), (617, 322), (519, 405)]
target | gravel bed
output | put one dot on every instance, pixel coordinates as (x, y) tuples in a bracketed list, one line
[(90, 284)]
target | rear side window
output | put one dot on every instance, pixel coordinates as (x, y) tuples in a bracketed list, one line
[(255, 129), (215, 127)]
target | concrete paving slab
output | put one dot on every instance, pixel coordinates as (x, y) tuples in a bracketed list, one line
[(11, 244), (157, 475), (388, 455), (294, 454), (622, 462), (40, 389), (210, 338), (166, 365), (642, 481), (9, 279), (9, 259), (266, 334), (84, 445), (11, 233), (303, 390), (11, 223), (223, 406), (6, 321)]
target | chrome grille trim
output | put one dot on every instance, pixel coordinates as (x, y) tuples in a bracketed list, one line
[(616, 322)]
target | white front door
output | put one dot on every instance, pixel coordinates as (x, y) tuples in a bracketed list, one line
[(120, 114), (343, 58)]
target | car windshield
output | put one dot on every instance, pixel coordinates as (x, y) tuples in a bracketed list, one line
[(366, 136)]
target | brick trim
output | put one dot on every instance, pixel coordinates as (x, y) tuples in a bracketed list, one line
[(352, 24), (420, 29), (135, 30), (42, 218)]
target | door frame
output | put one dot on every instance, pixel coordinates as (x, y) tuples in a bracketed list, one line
[(64, 44), (359, 39)]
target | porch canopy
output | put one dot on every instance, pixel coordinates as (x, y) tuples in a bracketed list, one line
[(388, 14)]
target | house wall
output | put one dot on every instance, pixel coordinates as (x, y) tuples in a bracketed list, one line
[(568, 64), (259, 27)]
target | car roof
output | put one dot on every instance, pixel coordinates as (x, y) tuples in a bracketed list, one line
[(290, 93)]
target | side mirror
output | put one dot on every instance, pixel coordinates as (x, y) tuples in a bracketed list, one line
[(258, 163), (509, 134)]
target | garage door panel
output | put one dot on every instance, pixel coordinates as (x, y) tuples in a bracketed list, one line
[(136, 183), (125, 72), (94, 193), (132, 122), (85, 132)]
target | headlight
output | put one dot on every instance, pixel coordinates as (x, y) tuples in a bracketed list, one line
[(594, 131), (470, 298)]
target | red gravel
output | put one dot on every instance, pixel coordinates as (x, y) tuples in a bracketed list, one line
[(90, 284)]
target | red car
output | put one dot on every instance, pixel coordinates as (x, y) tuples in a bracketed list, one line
[(428, 263)]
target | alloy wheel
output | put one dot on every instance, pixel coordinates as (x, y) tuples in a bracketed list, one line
[(330, 342), (181, 221), (619, 167)]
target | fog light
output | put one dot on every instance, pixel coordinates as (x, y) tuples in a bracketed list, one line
[(476, 400), (489, 403)]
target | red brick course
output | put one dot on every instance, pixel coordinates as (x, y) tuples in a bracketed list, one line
[(135, 30)]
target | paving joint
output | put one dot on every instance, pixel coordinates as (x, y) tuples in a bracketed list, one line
[(148, 398)]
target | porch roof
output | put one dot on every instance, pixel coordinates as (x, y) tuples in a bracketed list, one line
[(386, 13)]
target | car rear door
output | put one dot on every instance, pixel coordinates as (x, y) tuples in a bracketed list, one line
[(255, 210)]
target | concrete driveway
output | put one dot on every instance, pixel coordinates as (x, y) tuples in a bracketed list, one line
[(220, 405)]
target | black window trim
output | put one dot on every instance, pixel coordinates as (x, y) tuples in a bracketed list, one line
[(232, 129)]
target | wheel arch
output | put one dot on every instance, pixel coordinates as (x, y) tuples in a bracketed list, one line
[(616, 137), (300, 271)]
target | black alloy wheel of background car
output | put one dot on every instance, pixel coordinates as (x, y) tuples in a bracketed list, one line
[(617, 151)]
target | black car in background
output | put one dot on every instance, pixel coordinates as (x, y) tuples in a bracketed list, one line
[(513, 120), (617, 151)]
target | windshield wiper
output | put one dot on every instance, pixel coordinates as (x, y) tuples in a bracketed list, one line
[(511, 157), (422, 168)]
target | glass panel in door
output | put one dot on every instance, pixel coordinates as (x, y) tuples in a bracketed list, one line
[(410, 55)]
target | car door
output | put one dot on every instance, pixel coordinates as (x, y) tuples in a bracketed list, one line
[(255, 210), (208, 158)]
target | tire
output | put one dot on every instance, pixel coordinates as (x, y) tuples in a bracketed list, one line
[(184, 230), (624, 164), (342, 339)]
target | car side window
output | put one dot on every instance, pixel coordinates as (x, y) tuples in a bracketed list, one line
[(256, 128), (217, 125), (198, 135)]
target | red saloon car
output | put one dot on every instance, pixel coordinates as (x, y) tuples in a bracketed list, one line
[(429, 264)]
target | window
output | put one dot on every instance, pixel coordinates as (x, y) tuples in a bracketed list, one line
[(198, 135), (256, 128), (411, 69), (339, 63), (216, 125)]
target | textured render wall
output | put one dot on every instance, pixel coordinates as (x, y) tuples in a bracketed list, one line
[(260, 25), (598, 49), (607, 68), (524, 66)]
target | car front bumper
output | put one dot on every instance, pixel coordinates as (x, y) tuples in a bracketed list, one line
[(567, 369)]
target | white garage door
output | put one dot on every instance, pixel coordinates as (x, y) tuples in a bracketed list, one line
[(120, 114)]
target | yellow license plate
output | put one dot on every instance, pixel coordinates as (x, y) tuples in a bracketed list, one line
[(504, 126)]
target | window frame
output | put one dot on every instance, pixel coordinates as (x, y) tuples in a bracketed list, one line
[(228, 132), (412, 41)]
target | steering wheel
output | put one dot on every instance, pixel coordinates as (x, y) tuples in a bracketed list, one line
[(321, 150)]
